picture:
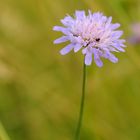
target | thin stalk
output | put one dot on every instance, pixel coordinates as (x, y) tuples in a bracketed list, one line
[(77, 135)]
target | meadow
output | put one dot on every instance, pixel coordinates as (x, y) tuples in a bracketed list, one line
[(40, 89)]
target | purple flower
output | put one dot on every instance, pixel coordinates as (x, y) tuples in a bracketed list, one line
[(94, 34), (134, 39)]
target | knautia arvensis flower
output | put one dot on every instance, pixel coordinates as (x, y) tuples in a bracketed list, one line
[(94, 34)]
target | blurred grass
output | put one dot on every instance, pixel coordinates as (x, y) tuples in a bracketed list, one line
[(40, 89), (3, 134)]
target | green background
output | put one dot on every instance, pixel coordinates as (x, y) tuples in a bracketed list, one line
[(40, 90)]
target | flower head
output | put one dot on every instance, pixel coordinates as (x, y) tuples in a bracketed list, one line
[(94, 34)]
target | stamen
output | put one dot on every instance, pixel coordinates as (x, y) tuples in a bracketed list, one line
[(97, 39)]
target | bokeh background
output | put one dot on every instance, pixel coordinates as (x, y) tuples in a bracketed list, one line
[(40, 90)]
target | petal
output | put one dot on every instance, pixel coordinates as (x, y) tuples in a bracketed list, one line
[(108, 22), (112, 49), (104, 19), (115, 26), (116, 34), (67, 21), (122, 45), (77, 47), (79, 39), (67, 49), (98, 62), (118, 47), (61, 39), (97, 59), (90, 13), (88, 58), (97, 16), (84, 51), (61, 29), (122, 41), (110, 56), (80, 14), (113, 59)]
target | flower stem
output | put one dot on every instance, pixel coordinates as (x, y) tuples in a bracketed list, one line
[(77, 135)]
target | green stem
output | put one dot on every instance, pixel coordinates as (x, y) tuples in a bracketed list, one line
[(77, 135)]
